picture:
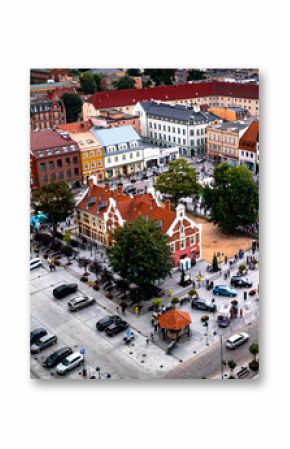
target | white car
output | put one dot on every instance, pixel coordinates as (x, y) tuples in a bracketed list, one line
[(236, 340), (34, 263), (69, 363)]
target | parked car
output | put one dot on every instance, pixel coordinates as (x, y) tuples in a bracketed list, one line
[(116, 327), (102, 324), (80, 302), (69, 363), (34, 263), (144, 176), (237, 340), (63, 290), (184, 300), (42, 343), (36, 334), (56, 357), (224, 290), (241, 281), (133, 179), (203, 304)]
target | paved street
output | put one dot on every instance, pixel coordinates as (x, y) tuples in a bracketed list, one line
[(141, 359)]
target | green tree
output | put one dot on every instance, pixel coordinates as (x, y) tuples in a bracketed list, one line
[(133, 72), (140, 253), (161, 76), (233, 198), (66, 237), (232, 364), (254, 350), (126, 82), (179, 181), (73, 106), (195, 75), (54, 200), (90, 82), (215, 264)]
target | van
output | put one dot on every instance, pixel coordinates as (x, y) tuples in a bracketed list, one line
[(34, 263), (224, 315)]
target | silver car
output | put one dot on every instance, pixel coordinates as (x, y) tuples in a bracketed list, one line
[(69, 363), (42, 343), (80, 302), (236, 340)]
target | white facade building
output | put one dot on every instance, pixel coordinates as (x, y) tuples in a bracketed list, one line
[(168, 125), (159, 157)]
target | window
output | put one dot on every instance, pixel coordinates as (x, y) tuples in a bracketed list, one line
[(159, 127), (164, 128), (124, 157), (60, 175), (98, 152), (42, 166), (116, 158), (178, 130), (184, 141), (173, 129), (131, 155), (77, 172), (86, 165), (75, 160), (99, 163), (192, 240), (155, 126), (51, 165), (168, 129), (52, 177), (191, 132), (137, 153), (67, 161), (44, 178), (93, 165), (172, 247), (92, 153), (182, 244), (59, 163), (183, 132), (68, 173), (150, 124), (109, 160)]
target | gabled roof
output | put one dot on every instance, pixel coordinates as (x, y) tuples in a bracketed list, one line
[(129, 208), (130, 97), (113, 136), (249, 140), (176, 112)]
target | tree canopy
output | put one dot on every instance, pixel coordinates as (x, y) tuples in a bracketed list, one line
[(179, 181), (161, 76), (195, 75), (133, 72), (90, 82), (233, 198), (126, 82), (140, 253), (73, 106), (54, 200)]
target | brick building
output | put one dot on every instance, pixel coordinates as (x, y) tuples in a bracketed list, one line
[(249, 147), (101, 211), (54, 157), (43, 75), (47, 114)]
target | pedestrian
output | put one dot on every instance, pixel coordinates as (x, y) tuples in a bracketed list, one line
[(226, 259), (136, 310), (152, 336), (118, 310), (147, 341), (225, 276), (155, 327), (50, 267), (229, 272)]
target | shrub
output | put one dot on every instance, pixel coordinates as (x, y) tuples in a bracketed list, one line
[(242, 267), (84, 278), (254, 350), (109, 295), (175, 300), (254, 365), (215, 264), (192, 292), (232, 364), (156, 303)]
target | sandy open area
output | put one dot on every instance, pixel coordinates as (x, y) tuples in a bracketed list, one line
[(213, 240)]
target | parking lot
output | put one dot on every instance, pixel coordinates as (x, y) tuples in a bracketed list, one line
[(142, 359)]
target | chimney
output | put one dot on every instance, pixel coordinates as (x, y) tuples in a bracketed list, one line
[(91, 183), (167, 205)]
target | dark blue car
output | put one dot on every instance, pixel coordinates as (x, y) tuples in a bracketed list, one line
[(224, 290)]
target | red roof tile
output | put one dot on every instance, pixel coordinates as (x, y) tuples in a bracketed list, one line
[(40, 140), (118, 98), (78, 127), (174, 320), (249, 140)]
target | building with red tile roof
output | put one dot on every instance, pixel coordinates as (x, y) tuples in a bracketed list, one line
[(101, 211), (214, 94), (249, 147)]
